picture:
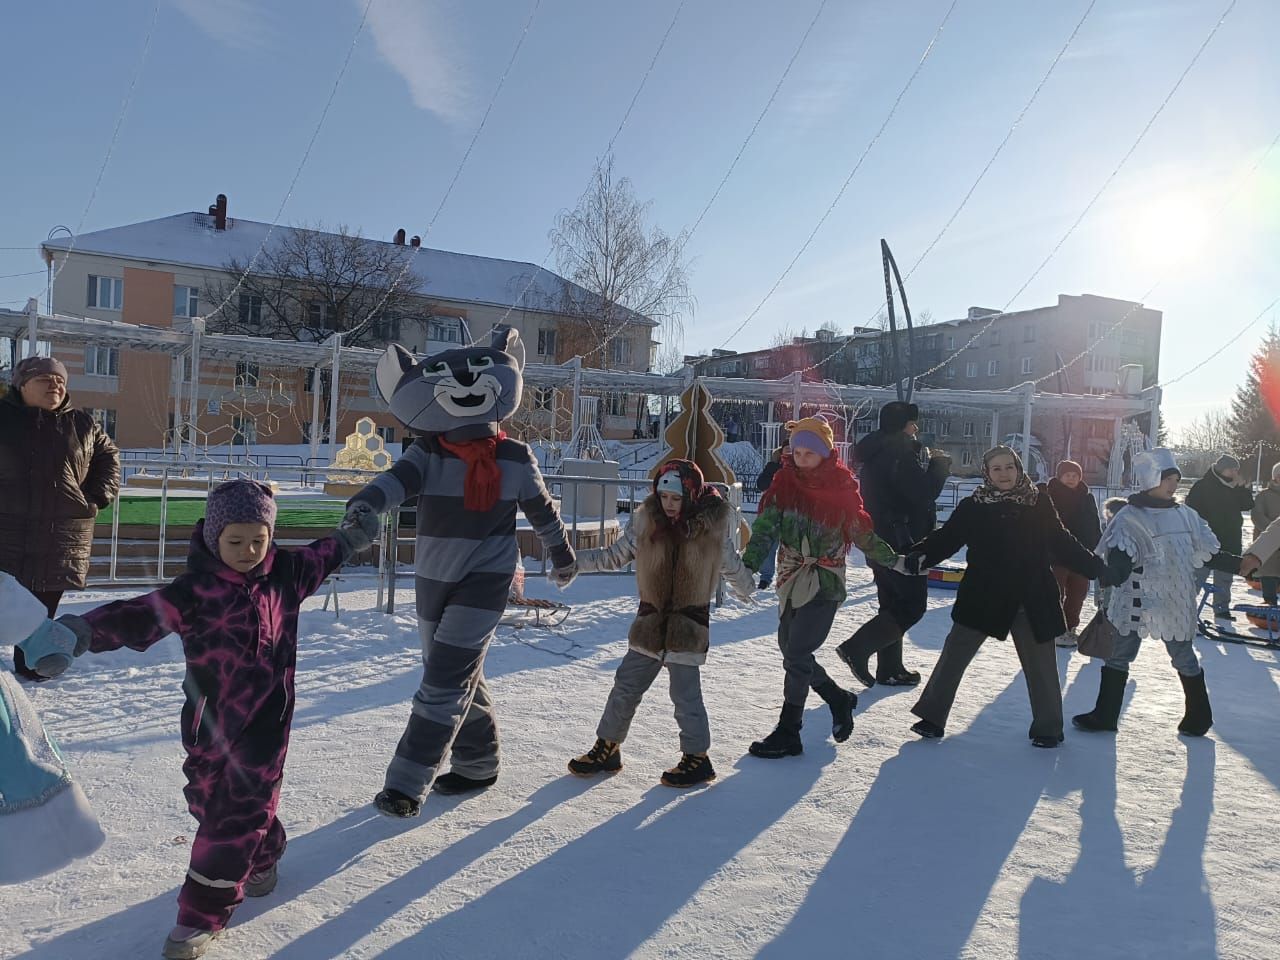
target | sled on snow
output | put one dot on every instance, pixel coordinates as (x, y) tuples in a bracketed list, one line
[(1260, 616)]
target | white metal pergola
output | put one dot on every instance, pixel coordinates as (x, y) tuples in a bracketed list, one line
[(200, 345)]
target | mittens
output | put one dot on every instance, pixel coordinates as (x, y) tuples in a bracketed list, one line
[(564, 566), (49, 651), (359, 527), (911, 564)]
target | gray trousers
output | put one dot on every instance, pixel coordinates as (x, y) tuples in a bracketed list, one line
[(1181, 652), (800, 632), (452, 711), (635, 675), (1039, 668), (1222, 581)]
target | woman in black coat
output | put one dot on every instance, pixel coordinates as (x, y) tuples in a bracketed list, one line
[(1078, 511), (1013, 534), (57, 470)]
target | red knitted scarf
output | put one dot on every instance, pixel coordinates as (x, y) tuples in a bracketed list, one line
[(828, 494), (484, 477)]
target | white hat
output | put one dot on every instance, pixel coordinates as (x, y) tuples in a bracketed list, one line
[(1150, 465)]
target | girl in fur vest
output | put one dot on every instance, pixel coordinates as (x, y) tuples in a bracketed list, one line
[(814, 511), (1154, 549), (236, 611), (1013, 535), (679, 540)]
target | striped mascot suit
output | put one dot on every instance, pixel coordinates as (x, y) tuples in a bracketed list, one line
[(469, 479)]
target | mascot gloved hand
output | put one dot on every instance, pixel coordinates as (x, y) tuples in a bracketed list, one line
[(359, 528)]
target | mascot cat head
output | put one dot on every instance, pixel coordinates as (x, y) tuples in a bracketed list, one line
[(465, 392)]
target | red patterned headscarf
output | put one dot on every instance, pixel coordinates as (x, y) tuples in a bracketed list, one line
[(828, 494), (693, 487)]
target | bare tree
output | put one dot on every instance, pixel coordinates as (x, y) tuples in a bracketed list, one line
[(619, 270), (1211, 431), (315, 282)]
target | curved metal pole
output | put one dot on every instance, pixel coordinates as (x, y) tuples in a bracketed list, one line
[(910, 376)]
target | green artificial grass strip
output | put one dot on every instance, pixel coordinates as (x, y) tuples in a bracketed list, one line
[(185, 511)]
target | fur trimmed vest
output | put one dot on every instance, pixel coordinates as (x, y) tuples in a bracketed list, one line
[(676, 578)]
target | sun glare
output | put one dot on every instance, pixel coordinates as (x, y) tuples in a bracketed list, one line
[(1168, 231)]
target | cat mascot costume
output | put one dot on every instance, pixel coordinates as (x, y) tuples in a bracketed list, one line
[(470, 479)]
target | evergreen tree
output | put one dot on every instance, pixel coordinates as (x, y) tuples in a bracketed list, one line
[(1255, 408)]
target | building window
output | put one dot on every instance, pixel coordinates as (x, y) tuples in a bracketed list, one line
[(544, 398), (966, 458), (951, 371), (386, 329), (995, 337), (102, 361), (186, 301), (250, 310), (929, 425), (106, 419), (1029, 333), (1027, 365), (946, 428), (986, 429), (246, 374), (951, 341), (106, 293), (388, 434), (617, 404), (321, 316), (762, 363), (993, 368), (968, 428), (621, 350), (546, 343), (325, 378), (245, 429), (445, 329), (971, 369)]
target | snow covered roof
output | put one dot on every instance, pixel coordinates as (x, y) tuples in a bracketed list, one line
[(190, 240)]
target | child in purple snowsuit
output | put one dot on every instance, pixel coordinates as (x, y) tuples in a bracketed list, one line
[(236, 610)]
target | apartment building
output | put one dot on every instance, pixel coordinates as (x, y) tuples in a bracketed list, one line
[(164, 272)]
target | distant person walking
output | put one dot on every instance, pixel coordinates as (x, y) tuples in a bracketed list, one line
[(1078, 511), (1221, 497)]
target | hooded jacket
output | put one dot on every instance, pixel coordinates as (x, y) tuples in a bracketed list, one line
[(1222, 505), (57, 470), (675, 577), (899, 491), (239, 635)]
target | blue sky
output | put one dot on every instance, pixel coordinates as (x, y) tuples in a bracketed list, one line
[(231, 91)]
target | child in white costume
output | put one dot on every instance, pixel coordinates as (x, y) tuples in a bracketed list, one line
[(45, 820), (1153, 548)]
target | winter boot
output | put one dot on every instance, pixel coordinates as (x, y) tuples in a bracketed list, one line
[(605, 756), (890, 671), (187, 943), (927, 729), (784, 741), (872, 637), (693, 769), (1106, 712), (261, 882), (1047, 743), (1198, 717), (453, 783), (397, 804), (842, 703)]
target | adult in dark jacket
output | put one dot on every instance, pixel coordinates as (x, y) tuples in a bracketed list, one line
[(900, 482), (769, 566), (1078, 511), (57, 470), (1013, 533), (1221, 497)]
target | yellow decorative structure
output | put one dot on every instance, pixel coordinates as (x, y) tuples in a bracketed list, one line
[(363, 451)]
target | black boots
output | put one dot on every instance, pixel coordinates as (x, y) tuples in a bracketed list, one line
[(1106, 712), (877, 636), (856, 657), (693, 769), (785, 739), (1198, 717), (842, 703), (605, 756), (397, 804), (452, 783)]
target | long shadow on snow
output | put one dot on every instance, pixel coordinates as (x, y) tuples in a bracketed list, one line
[(1242, 688), (912, 873), (138, 930), (604, 894), (1102, 909), (362, 917)]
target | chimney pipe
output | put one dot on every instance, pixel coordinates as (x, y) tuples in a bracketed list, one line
[(220, 213), (415, 241), (399, 240)]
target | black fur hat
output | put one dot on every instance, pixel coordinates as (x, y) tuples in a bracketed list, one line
[(896, 414)]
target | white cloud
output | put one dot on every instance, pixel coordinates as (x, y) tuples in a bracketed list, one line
[(240, 24), (412, 36)]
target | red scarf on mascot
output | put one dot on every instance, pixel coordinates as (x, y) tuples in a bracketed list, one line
[(483, 485)]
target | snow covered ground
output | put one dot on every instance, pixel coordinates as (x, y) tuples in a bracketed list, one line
[(1137, 845)]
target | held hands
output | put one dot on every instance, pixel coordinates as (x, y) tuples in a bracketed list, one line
[(1249, 565), (360, 526), (910, 564), (49, 651), (564, 566)]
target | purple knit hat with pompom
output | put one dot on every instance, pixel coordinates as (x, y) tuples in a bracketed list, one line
[(237, 501)]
